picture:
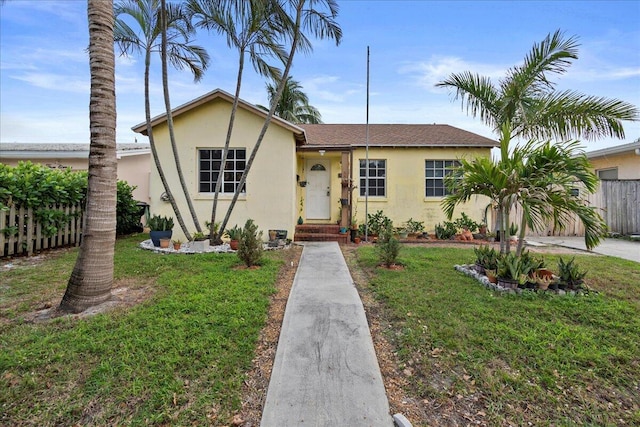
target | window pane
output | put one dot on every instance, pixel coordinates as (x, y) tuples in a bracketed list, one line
[(210, 169)]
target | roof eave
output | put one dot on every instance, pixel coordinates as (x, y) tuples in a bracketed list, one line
[(219, 93)]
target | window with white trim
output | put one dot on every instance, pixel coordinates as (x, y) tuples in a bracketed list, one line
[(377, 177), (434, 172), (209, 162)]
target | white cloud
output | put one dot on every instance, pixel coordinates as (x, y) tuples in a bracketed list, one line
[(438, 68), (55, 82), (329, 88)]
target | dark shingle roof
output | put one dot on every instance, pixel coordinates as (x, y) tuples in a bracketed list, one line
[(398, 135)]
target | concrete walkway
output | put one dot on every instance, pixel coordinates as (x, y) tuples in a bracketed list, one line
[(613, 247), (325, 371)]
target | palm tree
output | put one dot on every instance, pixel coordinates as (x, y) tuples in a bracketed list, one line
[(147, 15), (293, 105), (252, 27), (303, 15), (525, 103), (538, 177), (548, 175), (92, 276)]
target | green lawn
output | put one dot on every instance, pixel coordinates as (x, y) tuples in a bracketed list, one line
[(178, 358), (513, 360)]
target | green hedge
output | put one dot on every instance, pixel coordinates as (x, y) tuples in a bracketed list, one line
[(39, 187)]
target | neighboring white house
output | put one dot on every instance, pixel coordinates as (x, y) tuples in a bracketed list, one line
[(134, 160)]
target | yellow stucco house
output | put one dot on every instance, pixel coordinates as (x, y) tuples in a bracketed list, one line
[(621, 162), (314, 172)]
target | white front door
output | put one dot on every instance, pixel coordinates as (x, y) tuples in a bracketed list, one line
[(318, 200)]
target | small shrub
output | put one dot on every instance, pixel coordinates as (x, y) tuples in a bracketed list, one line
[(127, 210), (465, 222), (445, 231), (414, 226), (388, 246), (570, 274), (250, 244), (377, 222)]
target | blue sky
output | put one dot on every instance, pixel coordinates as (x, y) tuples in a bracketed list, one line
[(44, 71)]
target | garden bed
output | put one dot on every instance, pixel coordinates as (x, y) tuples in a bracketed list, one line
[(187, 248), (470, 270)]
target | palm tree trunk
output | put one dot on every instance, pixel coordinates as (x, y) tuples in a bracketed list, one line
[(523, 229), (272, 108), (167, 104), (92, 276), (225, 152), (154, 151)]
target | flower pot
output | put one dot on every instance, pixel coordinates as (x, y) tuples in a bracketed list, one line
[(200, 245), (164, 243), (176, 246), (507, 283), (157, 235), (356, 240), (234, 244)]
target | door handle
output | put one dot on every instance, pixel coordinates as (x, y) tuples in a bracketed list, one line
[(328, 194)]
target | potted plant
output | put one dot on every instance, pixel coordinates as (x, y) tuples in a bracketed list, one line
[(200, 242), (482, 228), (161, 227), (177, 243), (570, 274), (542, 281), (357, 238), (513, 232), (486, 258), (512, 271), (234, 235)]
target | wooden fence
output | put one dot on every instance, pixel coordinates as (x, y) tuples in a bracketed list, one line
[(617, 201), (21, 234)]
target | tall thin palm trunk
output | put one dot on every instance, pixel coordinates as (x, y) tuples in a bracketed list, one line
[(92, 276), (225, 151), (167, 104), (272, 109), (154, 150)]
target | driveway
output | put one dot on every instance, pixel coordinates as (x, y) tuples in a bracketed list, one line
[(613, 247)]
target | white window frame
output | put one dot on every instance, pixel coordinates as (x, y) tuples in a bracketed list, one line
[(377, 176), (434, 176)]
